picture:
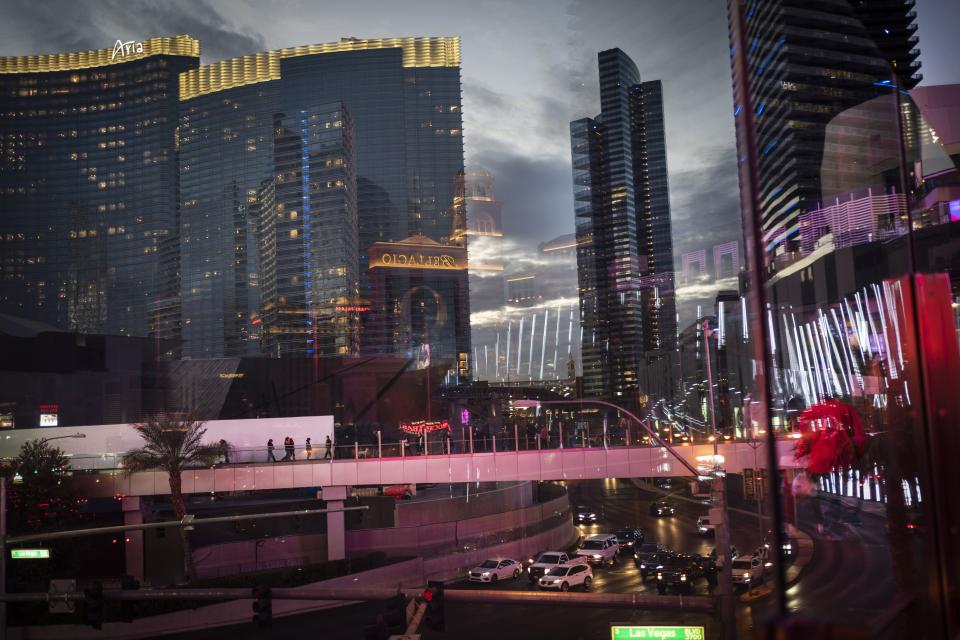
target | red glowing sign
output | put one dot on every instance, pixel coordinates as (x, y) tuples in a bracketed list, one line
[(421, 426)]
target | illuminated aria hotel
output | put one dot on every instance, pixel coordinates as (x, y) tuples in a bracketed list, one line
[(230, 209)]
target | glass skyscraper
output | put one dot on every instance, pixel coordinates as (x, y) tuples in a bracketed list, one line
[(624, 247), (89, 186), (806, 63), (308, 232), (402, 100)]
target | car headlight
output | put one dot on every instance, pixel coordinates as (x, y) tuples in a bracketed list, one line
[(747, 576), (659, 576), (529, 569), (683, 577), (643, 566), (597, 556), (485, 574)]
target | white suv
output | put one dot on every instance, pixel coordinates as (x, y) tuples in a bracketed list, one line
[(746, 572), (567, 576), (600, 549), (705, 527)]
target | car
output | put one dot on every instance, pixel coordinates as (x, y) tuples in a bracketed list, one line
[(705, 527), (567, 576), (649, 566), (662, 508), (531, 559), (629, 538), (707, 567), (734, 554), (399, 491), (584, 515), (643, 552), (548, 560), (600, 549), (789, 545), (747, 571), (495, 569), (679, 573)]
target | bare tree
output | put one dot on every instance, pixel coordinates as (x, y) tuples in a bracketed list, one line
[(173, 443)]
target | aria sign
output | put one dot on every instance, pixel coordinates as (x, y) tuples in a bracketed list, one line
[(123, 49)]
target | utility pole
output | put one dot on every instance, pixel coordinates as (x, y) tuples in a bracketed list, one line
[(725, 584), (3, 557), (755, 444)]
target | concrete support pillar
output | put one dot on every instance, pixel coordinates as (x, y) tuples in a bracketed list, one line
[(336, 526), (133, 547)]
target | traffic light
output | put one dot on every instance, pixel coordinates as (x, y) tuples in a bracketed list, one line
[(262, 606), (433, 596), (128, 607), (93, 605)]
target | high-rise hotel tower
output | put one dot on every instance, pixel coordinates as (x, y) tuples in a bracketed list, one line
[(806, 64), (624, 248), (229, 208), (89, 186)]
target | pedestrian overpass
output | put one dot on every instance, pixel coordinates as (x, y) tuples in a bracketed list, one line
[(577, 463)]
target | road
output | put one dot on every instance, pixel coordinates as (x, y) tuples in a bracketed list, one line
[(618, 503), (849, 579)]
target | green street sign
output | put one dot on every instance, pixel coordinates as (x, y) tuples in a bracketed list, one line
[(619, 632), (30, 554)]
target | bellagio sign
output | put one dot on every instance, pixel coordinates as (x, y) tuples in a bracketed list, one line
[(399, 255)]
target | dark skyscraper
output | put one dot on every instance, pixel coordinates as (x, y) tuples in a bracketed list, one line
[(89, 186), (308, 260), (228, 208), (624, 248), (806, 63), (401, 98)]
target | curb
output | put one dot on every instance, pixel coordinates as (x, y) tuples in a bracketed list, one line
[(803, 557)]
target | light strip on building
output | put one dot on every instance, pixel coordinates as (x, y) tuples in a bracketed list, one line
[(265, 66), (182, 45)]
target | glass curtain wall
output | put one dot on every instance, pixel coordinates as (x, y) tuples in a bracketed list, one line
[(847, 333)]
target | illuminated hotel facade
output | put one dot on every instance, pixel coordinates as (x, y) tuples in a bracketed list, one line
[(227, 208), (419, 302), (89, 186), (806, 65)]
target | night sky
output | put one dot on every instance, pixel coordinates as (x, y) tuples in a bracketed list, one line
[(528, 69)]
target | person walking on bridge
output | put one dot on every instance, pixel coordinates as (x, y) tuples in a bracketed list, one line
[(328, 454), (270, 456)]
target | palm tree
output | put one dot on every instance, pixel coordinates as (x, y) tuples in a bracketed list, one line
[(172, 443)]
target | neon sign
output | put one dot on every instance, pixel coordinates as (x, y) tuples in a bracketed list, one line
[(122, 48), (421, 426)]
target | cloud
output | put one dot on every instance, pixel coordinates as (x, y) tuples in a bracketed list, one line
[(64, 25), (705, 203), (536, 192)]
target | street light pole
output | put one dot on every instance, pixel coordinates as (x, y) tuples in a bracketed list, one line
[(725, 585), (72, 435)]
